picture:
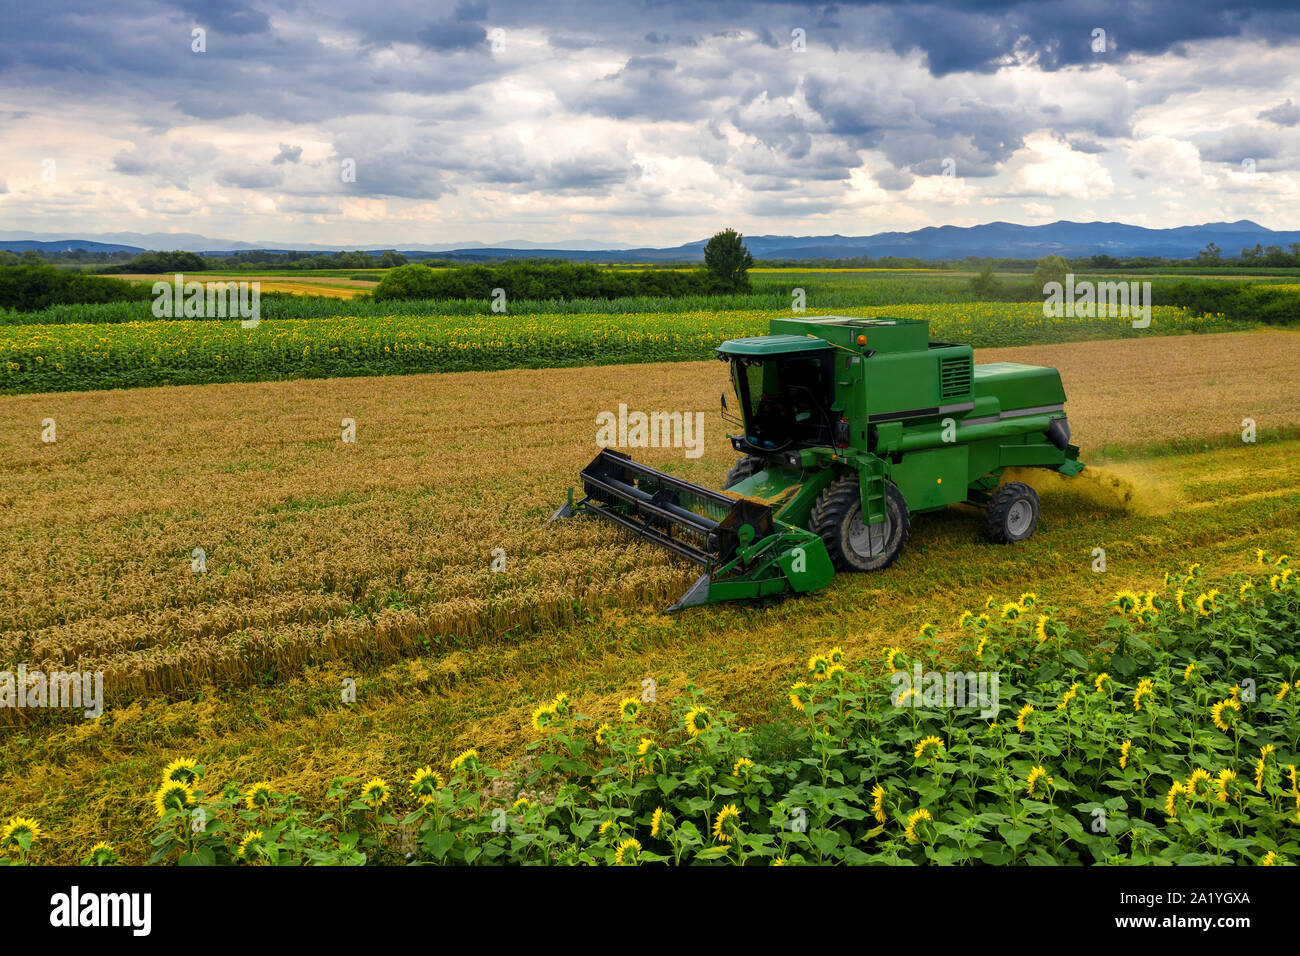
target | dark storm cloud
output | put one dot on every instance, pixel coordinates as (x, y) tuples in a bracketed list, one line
[(975, 136), (647, 88), (1284, 114), (981, 36), (1082, 145), (463, 30), (287, 154), (239, 19), (1269, 149)]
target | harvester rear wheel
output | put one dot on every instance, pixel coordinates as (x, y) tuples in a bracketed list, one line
[(853, 546), (1012, 513), (742, 469)]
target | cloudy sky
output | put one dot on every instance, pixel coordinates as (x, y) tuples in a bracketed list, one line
[(641, 122)]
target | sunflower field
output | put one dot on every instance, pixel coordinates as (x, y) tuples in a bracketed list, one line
[(1170, 738), (83, 356)]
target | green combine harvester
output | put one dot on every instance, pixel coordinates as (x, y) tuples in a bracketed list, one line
[(848, 427)]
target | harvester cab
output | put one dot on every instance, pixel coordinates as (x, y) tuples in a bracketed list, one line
[(848, 427)]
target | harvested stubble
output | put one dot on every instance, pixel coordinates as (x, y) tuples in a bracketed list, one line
[(319, 550)]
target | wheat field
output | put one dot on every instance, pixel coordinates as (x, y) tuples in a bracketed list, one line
[(321, 549)]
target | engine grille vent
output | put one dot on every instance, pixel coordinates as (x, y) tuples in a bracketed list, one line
[(954, 376)]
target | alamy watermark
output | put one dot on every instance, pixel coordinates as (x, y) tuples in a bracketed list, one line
[(208, 300), (1088, 300), (76, 689), (949, 689), (651, 430)]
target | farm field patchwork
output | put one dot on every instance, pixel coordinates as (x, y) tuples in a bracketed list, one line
[(336, 286), (63, 357), (373, 560)]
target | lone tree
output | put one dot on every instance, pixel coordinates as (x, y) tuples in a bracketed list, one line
[(726, 257), (1050, 269)]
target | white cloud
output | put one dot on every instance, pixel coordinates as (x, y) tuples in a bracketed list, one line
[(1049, 167), (1165, 162)]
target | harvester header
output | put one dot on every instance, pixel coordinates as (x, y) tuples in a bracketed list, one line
[(847, 427)]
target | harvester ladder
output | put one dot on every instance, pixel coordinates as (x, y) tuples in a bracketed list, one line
[(872, 479)]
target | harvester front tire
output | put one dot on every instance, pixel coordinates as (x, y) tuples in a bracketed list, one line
[(1012, 513), (742, 469), (837, 519)]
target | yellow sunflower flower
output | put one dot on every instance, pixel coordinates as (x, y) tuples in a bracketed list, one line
[(374, 793), (467, 760), (22, 826), (878, 803), (1171, 799), (1197, 784), (912, 822), (928, 749), (102, 854), (1217, 713), (728, 817), (543, 716), (1127, 601), (627, 853), (656, 822), (257, 795), (1023, 717), (1145, 688), (798, 691), (182, 769), (1223, 782), (1261, 764), (1035, 775), (173, 795), (697, 721), (425, 784), (1068, 696), (246, 844)]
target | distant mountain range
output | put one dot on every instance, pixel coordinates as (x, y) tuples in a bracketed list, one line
[(994, 239)]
